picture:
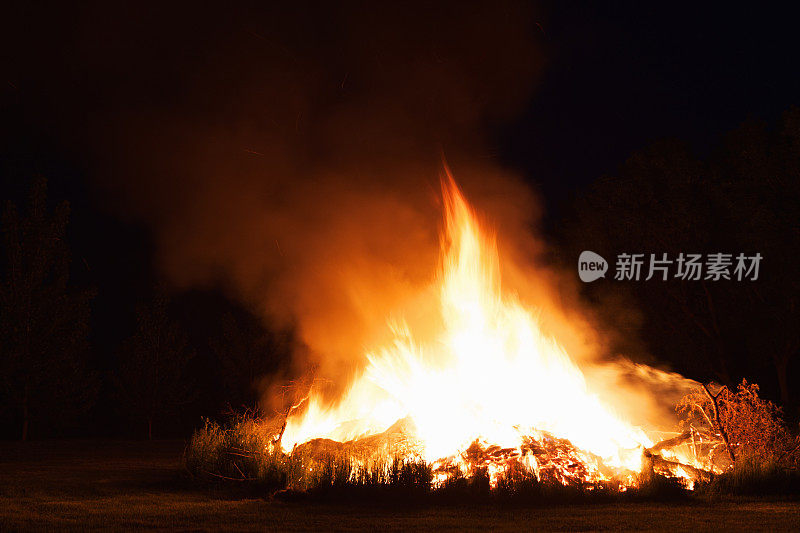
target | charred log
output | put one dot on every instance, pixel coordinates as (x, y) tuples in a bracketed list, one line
[(654, 463)]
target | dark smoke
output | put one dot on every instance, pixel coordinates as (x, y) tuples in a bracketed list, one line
[(293, 155)]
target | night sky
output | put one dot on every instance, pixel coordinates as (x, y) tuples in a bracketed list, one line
[(617, 76), (610, 79), (621, 75)]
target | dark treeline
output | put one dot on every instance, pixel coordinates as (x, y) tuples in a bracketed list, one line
[(171, 359), (741, 197), (93, 346)]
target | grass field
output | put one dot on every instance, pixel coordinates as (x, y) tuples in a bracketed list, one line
[(95, 485)]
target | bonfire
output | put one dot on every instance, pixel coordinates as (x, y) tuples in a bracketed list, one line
[(487, 392)]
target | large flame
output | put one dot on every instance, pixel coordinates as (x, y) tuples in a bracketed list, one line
[(488, 374)]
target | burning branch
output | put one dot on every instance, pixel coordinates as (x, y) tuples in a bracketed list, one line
[(717, 420), (670, 466), (278, 438), (669, 443), (675, 468)]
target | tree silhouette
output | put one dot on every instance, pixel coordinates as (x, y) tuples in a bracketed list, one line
[(248, 352), (43, 322), (152, 363), (761, 168), (745, 198)]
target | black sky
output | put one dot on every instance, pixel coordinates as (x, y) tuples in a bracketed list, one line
[(618, 75), (621, 75)]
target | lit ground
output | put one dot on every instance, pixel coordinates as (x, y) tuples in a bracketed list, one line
[(85, 485)]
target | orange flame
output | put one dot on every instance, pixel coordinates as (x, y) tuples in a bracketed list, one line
[(488, 374)]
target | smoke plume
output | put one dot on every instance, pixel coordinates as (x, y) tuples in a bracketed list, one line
[(294, 158)]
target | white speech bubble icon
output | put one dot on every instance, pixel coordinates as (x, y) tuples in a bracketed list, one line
[(591, 266)]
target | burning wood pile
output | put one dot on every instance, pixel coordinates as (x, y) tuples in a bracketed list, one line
[(549, 458), (720, 427), (487, 391)]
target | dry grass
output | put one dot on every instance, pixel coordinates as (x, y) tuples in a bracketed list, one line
[(241, 455), (115, 485), (241, 452)]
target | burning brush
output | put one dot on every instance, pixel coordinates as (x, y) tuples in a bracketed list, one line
[(484, 392)]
